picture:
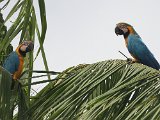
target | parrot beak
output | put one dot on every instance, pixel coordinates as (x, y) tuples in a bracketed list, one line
[(118, 31), (30, 46)]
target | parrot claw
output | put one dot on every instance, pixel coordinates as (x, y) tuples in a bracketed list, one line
[(130, 61)]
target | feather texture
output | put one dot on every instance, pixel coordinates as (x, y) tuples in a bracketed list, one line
[(14, 63), (140, 51), (11, 63)]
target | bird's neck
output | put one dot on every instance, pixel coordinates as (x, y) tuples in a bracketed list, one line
[(23, 54), (126, 42), (130, 31), (126, 35), (20, 53)]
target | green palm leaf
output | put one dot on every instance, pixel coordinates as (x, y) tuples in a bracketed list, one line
[(111, 90), (24, 24), (5, 94), (107, 90)]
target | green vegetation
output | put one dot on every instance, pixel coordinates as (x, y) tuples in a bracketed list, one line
[(107, 90)]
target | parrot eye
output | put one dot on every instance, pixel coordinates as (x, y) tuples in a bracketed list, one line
[(26, 43), (122, 26)]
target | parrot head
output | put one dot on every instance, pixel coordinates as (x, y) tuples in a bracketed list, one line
[(25, 47), (124, 29)]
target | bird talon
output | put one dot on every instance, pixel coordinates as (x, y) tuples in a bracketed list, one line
[(129, 61)]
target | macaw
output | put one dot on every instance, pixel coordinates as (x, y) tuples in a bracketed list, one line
[(14, 62), (136, 47)]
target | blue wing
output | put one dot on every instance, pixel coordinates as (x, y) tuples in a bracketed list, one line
[(138, 49), (11, 63)]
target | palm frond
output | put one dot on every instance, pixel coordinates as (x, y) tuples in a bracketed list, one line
[(110, 90), (23, 25), (5, 94)]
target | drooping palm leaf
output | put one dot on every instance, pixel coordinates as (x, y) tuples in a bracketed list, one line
[(3, 31), (24, 25), (110, 90), (5, 94)]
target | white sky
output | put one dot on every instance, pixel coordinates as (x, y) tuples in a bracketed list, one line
[(82, 31)]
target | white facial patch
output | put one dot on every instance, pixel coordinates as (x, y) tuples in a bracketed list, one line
[(125, 30), (23, 48), (123, 27)]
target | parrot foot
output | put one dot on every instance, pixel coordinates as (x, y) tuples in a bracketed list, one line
[(130, 61)]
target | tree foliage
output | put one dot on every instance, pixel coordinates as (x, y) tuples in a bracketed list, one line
[(25, 26), (107, 90)]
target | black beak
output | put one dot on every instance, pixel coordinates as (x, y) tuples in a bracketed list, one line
[(118, 31), (30, 47)]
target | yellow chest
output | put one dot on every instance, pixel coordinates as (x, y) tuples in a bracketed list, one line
[(126, 42), (18, 73)]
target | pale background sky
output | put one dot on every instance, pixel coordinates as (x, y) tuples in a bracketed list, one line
[(82, 31)]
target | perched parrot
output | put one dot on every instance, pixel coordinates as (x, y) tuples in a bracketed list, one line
[(14, 62), (136, 47)]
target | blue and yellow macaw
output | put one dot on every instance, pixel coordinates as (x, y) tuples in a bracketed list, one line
[(14, 62), (135, 46)]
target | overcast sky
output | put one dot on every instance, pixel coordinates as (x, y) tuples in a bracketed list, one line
[(82, 31)]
